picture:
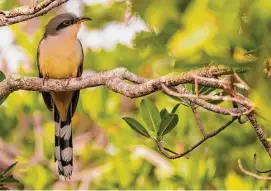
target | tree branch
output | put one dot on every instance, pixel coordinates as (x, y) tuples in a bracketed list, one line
[(208, 136), (259, 132), (198, 120), (28, 12), (114, 80), (122, 81), (205, 104), (250, 173), (256, 168)]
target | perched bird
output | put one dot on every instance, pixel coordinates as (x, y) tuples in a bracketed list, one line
[(60, 56)]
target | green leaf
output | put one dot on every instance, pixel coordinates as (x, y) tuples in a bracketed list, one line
[(136, 126), (175, 108), (215, 102), (206, 90), (104, 14), (150, 114), (8, 169), (9, 179), (2, 76), (167, 124), (2, 98), (163, 113), (203, 90)]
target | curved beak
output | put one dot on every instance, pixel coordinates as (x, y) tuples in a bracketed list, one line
[(83, 19)]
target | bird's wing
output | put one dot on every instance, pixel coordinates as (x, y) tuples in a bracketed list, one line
[(80, 68), (46, 96), (76, 94)]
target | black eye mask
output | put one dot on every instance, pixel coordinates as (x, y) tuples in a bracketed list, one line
[(64, 24)]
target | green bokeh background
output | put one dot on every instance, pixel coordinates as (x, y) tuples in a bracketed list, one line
[(182, 34)]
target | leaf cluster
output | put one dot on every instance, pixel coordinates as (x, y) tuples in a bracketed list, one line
[(158, 123), (5, 178)]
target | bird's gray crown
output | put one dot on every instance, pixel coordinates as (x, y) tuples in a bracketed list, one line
[(59, 22)]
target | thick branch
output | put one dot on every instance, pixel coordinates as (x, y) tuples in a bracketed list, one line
[(113, 79), (116, 80), (28, 12)]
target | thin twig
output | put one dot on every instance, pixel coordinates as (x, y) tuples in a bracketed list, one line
[(196, 87), (205, 104), (220, 81), (259, 132), (208, 136), (244, 84), (171, 151), (250, 173), (197, 117), (256, 168), (253, 50), (242, 121)]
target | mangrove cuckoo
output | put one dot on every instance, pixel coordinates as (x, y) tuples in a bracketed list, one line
[(60, 56)]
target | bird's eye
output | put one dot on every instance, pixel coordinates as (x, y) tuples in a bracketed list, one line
[(67, 22)]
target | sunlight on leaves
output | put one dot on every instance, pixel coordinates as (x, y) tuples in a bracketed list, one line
[(235, 182), (196, 34), (158, 17), (41, 175)]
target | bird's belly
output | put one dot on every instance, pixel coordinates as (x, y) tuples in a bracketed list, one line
[(59, 66), (59, 58)]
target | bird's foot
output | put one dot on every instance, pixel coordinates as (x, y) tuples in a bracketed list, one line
[(44, 79), (68, 81)]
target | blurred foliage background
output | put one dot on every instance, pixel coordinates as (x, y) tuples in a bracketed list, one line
[(178, 35)]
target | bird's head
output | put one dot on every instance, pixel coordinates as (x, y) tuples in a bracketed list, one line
[(66, 24)]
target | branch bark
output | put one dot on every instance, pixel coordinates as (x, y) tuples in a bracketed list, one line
[(114, 80), (256, 168), (250, 173), (27, 12), (259, 132), (205, 104)]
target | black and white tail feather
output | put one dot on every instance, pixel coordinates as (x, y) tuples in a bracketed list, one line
[(63, 144)]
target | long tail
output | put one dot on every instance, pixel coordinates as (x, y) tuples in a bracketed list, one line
[(63, 145)]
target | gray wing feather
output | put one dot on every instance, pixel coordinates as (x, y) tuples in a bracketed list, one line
[(76, 94), (46, 96)]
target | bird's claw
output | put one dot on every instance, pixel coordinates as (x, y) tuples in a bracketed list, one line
[(44, 80), (68, 81)]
